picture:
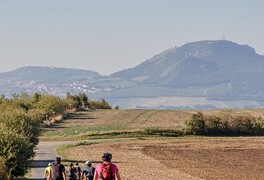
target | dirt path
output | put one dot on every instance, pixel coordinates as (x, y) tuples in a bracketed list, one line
[(45, 153)]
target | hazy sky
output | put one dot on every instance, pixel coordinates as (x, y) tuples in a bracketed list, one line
[(110, 35)]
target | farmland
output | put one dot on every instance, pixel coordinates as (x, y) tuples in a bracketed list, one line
[(100, 123), (181, 158), (148, 157)]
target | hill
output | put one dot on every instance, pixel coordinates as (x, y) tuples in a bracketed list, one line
[(224, 69), (48, 74), (198, 75)]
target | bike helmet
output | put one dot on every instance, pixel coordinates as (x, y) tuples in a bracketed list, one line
[(107, 157), (50, 164), (58, 159), (88, 163)]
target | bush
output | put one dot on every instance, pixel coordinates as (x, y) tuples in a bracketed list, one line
[(51, 105), (259, 126), (73, 101), (2, 169), (19, 122), (163, 132), (19, 131), (16, 150), (242, 124), (226, 123), (196, 124), (216, 126), (102, 104)]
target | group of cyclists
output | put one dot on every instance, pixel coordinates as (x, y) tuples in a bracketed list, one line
[(76, 173), (103, 171)]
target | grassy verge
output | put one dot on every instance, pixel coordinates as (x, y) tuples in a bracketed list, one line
[(73, 134)]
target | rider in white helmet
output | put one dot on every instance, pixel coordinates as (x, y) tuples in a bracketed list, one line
[(88, 171)]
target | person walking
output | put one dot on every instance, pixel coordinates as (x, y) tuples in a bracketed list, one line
[(71, 172), (47, 172), (106, 169), (78, 170), (88, 171), (58, 171)]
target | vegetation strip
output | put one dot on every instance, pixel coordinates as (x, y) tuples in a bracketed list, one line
[(24, 118)]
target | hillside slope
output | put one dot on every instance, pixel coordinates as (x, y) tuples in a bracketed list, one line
[(48, 74), (226, 69), (200, 72)]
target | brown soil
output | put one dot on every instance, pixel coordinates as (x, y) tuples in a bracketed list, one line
[(136, 119), (131, 118), (182, 158)]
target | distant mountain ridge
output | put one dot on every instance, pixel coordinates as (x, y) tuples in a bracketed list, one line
[(224, 69), (197, 63), (48, 74), (214, 70)]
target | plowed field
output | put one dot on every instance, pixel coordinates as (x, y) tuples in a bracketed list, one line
[(181, 158)]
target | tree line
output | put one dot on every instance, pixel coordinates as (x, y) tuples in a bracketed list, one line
[(21, 119), (225, 123)]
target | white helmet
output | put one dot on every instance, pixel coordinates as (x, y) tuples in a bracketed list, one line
[(88, 162)]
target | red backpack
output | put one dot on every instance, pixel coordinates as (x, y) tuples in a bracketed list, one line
[(106, 171)]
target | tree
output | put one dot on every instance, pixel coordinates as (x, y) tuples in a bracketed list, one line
[(102, 104), (15, 95), (196, 124), (17, 120), (73, 101), (19, 132), (3, 174), (84, 99), (16, 150), (36, 97), (51, 105), (2, 97)]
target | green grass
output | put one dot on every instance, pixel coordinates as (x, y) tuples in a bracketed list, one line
[(83, 131), (78, 133)]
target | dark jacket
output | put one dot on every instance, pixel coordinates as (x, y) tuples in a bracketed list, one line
[(57, 170)]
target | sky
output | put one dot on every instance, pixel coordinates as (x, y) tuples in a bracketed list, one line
[(107, 36)]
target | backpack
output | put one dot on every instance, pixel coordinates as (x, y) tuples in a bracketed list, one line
[(106, 171), (89, 173), (71, 173), (78, 172)]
